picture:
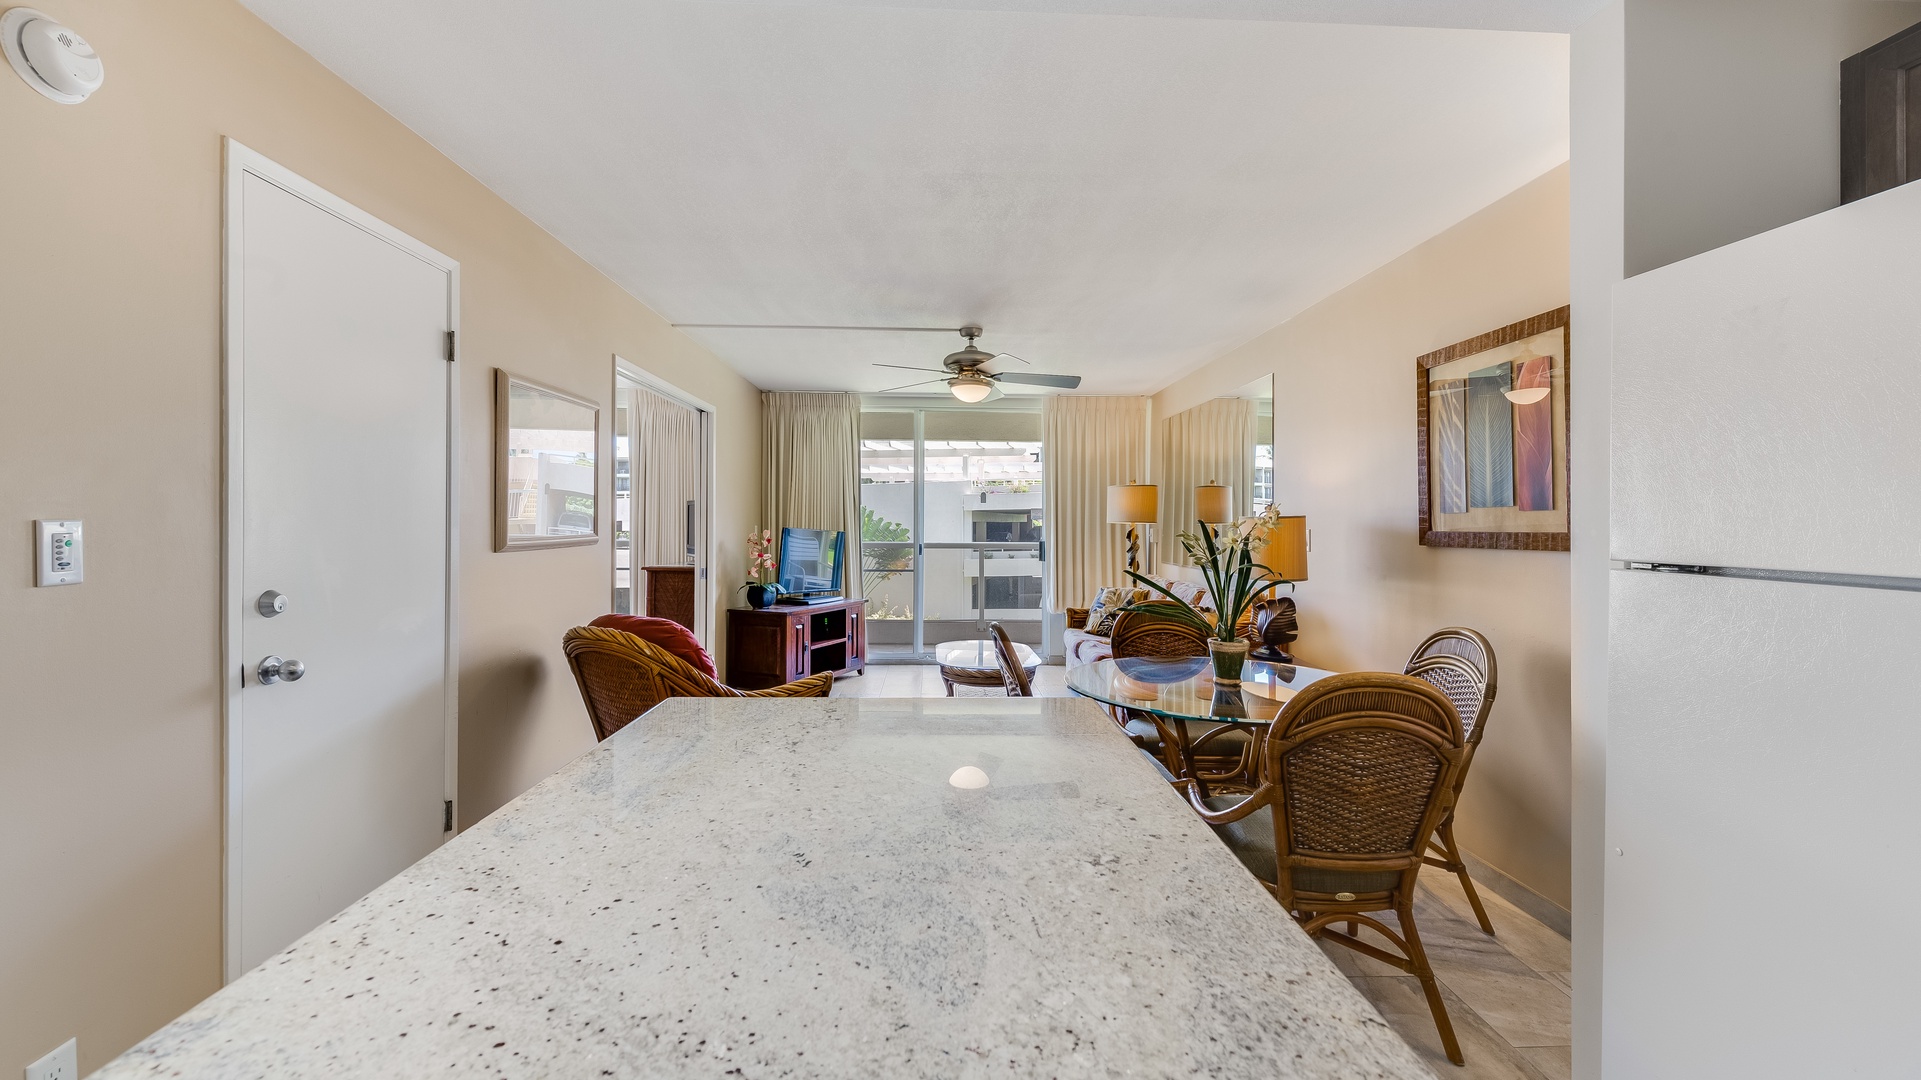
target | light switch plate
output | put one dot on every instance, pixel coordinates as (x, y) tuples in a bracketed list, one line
[(62, 1064), (59, 554)]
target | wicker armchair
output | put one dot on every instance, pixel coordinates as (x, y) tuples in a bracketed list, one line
[(1356, 775), (1460, 663), (622, 676), (1013, 672)]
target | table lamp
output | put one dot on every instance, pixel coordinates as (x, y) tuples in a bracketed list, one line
[(1214, 504), (1284, 551), (1133, 505)]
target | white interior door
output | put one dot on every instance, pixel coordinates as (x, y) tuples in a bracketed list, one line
[(339, 423)]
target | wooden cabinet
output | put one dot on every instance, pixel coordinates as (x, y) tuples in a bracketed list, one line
[(774, 645), (670, 593)]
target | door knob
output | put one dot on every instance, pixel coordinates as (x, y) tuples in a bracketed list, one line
[(273, 669)]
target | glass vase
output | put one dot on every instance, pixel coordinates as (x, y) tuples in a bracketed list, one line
[(1229, 658)]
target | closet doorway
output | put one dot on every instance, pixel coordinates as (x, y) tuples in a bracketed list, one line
[(663, 501)]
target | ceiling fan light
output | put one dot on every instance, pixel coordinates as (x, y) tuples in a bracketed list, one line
[(1526, 396), (971, 390)]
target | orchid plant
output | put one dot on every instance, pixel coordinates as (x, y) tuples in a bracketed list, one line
[(760, 556), (1233, 579)]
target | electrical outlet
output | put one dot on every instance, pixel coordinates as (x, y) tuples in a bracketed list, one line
[(62, 1064)]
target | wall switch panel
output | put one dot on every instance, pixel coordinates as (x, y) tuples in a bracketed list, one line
[(58, 553), (62, 1064)]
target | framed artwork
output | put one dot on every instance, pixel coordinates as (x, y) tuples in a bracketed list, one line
[(546, 466), (1493, 418)]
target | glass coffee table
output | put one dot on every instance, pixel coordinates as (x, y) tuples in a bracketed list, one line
[(1182, 691), (974, 663)]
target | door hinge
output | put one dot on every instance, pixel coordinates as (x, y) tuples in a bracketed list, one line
[(450, 346), (447, 816)]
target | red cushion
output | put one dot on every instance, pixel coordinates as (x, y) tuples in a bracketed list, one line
[(665, 633)]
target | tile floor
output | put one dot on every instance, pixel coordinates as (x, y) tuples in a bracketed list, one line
[(1508, 995)]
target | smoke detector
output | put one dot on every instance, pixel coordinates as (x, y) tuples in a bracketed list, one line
[(52, 58)]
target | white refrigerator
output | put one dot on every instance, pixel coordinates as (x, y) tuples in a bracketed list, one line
[(1764, 732)]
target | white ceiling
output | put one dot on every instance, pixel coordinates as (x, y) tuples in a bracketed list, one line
[(1114, 196)]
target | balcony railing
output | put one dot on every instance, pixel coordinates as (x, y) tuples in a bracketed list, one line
[(956, 588)]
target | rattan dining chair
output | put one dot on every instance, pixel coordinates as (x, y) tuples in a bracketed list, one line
[(1470, 645), (1356, 774), (1139, 633), (1460, 663), (622, 676), (1013, 673), (1219, 752)]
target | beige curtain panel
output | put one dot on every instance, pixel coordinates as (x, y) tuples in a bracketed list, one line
[(666, 478), (1211, 443), (810, 468), (1091, 442)]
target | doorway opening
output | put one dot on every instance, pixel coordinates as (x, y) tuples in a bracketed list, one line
[(663, 501)]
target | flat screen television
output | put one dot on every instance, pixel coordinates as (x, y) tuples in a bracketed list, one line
[(810, 563)]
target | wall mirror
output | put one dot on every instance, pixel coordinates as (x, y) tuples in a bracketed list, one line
[(1227, 442), (546, 466)]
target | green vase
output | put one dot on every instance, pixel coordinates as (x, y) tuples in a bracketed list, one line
[(1229, 657)]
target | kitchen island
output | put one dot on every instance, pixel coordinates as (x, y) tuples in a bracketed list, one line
[(795, 888)]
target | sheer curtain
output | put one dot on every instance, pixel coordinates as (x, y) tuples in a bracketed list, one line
[(810, 476), (1090, 443), (667, 477), (1211, 443)]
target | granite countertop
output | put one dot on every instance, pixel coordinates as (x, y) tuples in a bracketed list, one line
[(792, 888)]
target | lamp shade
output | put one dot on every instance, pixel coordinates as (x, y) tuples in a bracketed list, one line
[(1214, 503), (1133, 504), (1285, 549)]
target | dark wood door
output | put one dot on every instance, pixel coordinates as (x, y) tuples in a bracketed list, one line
[(1881, 116)]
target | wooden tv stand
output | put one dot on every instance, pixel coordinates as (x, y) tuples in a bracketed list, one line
[(774, 645)]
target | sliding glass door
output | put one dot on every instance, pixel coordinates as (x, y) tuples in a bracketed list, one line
[(951, 526)]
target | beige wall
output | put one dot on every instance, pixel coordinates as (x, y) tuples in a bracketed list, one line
[(1344, 452), (110, 412)]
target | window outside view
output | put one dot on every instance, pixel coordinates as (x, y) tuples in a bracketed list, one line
[(981, 498)]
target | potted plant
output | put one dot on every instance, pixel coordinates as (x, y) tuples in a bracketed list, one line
[(760, 563), (1233, 579)]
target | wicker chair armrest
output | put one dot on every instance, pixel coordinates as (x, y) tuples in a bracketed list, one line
[(1076, 617), (812, 686), (1260, 797)]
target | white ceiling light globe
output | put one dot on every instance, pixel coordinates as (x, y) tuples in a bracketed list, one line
[(971, 390), (1528, 396)]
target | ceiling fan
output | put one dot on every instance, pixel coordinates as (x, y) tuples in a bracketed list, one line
[(967, 378), (963, 372)]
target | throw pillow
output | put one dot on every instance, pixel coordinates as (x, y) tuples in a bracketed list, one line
[(1107, 607), (665, 633)]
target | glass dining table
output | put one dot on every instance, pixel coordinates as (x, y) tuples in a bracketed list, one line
[(1182, 691)]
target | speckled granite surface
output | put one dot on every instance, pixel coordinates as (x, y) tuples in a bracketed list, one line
[(792, 889)]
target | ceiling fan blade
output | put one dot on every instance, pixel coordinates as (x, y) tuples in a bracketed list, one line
[(904, 367), (1025, 378), (910, 386), (1006, 356)]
